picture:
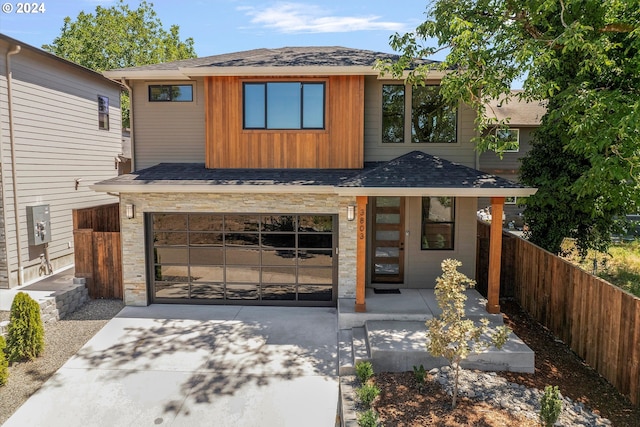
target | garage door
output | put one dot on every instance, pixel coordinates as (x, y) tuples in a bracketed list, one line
[(274, 259)]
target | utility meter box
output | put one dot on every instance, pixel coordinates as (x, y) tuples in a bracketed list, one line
[(39, 224)]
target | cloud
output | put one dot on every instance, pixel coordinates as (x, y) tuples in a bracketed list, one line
[(306, 18)]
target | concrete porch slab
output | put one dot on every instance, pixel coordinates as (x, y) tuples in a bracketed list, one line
[(398, 346)]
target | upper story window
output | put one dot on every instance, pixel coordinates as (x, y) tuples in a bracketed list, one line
[(284, 105), (509, 138), (432, 120), (170, 93), (103, 112)]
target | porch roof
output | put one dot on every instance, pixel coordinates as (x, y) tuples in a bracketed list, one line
[(413, 174)]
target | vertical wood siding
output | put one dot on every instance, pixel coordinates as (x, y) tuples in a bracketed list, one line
[(338, 146), (597, 320), (55, 109)]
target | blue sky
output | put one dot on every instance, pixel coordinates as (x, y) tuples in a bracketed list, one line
[(220, 26)]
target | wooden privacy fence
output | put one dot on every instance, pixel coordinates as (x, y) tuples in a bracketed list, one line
[(98, 258), (597, 320)]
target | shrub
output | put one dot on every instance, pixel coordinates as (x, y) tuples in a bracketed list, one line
[(420, 375), (364, 371), (25, 333), (367, 394), (368, 418), (550, 406), (4, 370)]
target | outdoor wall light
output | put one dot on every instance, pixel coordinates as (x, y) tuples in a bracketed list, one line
[(351, 212), (129, 211)]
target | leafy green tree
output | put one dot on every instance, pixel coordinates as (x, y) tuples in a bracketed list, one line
[(119, 37), (451, 335), (580, 55)]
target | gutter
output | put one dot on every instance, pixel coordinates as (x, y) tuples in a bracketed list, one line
[(16, 203)]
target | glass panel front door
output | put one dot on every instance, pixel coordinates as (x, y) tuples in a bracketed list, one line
[(388, 240)]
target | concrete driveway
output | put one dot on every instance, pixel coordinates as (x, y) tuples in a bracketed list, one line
[(179, 365)]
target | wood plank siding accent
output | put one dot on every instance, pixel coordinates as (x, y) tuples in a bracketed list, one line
[(339, 145)]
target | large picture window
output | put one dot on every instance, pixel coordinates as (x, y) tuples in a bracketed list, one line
[(438, 223), (284, 105), (431, 119)]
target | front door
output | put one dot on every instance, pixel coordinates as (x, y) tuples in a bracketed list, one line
[(388, 240)]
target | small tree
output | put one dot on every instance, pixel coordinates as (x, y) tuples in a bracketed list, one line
[(452, 336), (25, 333), (4, 370)]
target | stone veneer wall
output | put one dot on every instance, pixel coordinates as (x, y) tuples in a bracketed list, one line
[(133, 241)]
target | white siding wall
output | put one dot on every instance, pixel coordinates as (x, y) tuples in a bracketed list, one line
[(168, 132), (374, 150), (57, 140)]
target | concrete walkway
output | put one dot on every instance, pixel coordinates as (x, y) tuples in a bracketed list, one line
[(179, 365)]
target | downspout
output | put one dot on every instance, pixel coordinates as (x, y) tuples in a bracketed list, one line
[(131, 132), (16, 203)]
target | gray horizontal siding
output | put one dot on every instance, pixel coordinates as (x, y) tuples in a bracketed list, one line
[(168, 131), (55, 109), (374, 150), (510, 162)]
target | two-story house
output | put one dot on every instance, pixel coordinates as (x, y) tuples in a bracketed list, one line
[(60, 132), (294, 176)]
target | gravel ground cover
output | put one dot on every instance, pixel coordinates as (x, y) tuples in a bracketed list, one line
[(62, 340)]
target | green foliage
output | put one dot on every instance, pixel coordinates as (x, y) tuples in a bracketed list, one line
[(550, 406), (420, 375), (25, 332), (367, 394), (364, 371), (451, 335), (368, 418), (119, 37), (4, 370), (583, 57)]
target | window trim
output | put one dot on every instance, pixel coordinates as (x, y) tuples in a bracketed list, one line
[(408, 107), (170, 89), (266, 111), (452, 222), (103, 114)]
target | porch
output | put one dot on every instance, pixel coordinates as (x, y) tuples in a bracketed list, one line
[(391, 334)]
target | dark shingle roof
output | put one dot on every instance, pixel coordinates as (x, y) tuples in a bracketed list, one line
[(328, 56), (420, 170), (414, 170)]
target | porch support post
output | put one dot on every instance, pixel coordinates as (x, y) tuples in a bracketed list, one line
[(361, 252), (495, 253)]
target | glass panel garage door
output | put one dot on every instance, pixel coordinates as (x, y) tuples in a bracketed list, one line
[(243, 258)]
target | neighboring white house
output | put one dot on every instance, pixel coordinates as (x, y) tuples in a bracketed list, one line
[(60, 131)]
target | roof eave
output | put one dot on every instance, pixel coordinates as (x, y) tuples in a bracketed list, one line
[(210, 188), (435, 191)]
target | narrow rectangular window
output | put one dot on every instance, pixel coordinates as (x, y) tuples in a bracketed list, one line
[(393, 114), (283, 105), (103, 112), (433, 120), (170, 93), (438, 223)]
